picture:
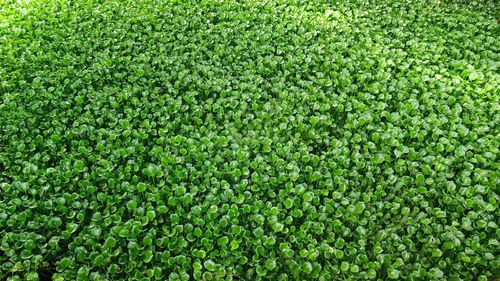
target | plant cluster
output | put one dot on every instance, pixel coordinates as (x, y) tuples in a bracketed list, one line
[(249, 140)]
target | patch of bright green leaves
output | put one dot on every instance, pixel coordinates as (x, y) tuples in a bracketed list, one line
[(249, 140)]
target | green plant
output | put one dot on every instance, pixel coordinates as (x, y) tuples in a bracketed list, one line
[(275, 140)]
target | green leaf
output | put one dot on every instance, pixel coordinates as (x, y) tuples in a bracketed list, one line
[(271, 264), (55, 222), (222, 241), (31, 276), (258, 232), (278, 227), (234, 245), (209, 265), (393, 273), (99, 260), (63, 264), (344, 266), (473, 76)]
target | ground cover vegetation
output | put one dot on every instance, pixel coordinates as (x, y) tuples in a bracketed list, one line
[(249, 140)]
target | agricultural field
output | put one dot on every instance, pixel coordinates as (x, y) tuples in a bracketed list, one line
[(249, 140)]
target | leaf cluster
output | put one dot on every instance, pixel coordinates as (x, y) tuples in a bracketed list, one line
[(249, 140)]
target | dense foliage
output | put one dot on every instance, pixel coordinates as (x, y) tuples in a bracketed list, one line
[(259, 140)]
